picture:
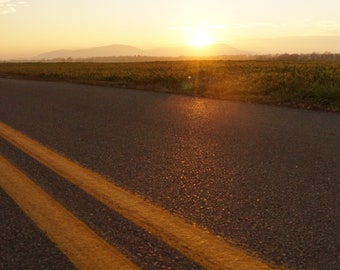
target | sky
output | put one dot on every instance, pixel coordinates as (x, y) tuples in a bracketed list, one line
[(32, 27)]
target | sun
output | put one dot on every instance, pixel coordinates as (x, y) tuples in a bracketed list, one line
[(200, 38)]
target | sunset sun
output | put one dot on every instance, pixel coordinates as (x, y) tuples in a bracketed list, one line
[(200, 38)]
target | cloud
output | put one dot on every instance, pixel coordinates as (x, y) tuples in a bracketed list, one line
[(23, 3), (6, 7), (9, 6)]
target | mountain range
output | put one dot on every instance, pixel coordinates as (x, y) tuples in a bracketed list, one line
[(305, 44), (117, 50)]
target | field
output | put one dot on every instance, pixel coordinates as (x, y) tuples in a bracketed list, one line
[(302, 84)]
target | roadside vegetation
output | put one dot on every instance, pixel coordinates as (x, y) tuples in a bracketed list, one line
[(302, 84)]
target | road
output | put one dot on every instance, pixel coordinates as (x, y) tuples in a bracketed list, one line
[(263, 178)]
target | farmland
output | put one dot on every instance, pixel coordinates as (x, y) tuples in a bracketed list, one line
[(302, 84)]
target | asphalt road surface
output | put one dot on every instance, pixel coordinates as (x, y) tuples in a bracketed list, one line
[(264, 178)]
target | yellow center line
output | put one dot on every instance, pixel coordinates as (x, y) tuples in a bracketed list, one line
[(202, 247), (84, 248)]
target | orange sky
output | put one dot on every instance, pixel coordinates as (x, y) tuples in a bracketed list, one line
[(34, 26)]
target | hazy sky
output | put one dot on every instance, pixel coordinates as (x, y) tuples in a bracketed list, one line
[(34, 26)]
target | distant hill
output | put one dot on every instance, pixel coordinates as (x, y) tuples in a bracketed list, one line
[(118, 50), (111, 50), (210, 50)]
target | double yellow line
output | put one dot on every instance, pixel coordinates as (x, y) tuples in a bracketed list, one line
[(86, 249)]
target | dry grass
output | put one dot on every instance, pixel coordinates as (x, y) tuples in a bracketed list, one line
[(303, 84)]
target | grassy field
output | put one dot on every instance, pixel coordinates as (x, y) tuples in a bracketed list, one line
[(310, 85)]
